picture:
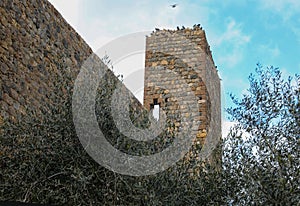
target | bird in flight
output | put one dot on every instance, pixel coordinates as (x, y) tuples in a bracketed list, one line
[(173, 5)]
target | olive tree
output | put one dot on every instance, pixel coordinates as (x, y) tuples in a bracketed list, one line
[(261, 153)]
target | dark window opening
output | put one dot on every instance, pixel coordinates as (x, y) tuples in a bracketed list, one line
[(155, 111)]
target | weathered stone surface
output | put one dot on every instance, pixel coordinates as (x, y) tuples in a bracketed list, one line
[(185, 52), (38, 48)]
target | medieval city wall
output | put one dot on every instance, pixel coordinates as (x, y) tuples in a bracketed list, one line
[(41, 56)]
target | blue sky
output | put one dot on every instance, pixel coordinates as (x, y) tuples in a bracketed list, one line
[(241, 33)]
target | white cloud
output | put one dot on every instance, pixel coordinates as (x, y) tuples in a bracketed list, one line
[(275, 52), (231, 42), (271, 50), (296, 30), (280, 5), (233, 34), (285, 8), (125, 17), (288, 11), (240, 85), (226, 125), (232, 58), (70, 11), (285, 73), (100, 21)]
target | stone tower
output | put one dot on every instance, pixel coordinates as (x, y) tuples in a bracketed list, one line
[(179, 64)]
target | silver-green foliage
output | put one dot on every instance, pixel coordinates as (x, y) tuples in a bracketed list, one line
[(262, 153)]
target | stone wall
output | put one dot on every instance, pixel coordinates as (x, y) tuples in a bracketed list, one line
[(40, 55), (40, 58), (186, 53), (37, 47)]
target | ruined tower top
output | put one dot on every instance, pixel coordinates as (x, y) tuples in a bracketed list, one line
[(179, 70), (195, 34)]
